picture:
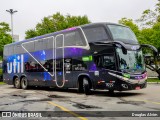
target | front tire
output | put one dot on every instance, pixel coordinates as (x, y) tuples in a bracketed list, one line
[(80, 86), (86, 86), (111, 92), (24, 83), (17, 83)]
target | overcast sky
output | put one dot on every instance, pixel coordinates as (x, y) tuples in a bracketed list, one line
[(30, 12)]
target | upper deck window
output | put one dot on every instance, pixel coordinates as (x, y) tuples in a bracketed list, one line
[(10, 50), (5, 52), (29, 46), (74, 38), (41, 44), (18, 49), (123, 34), (95, 34)]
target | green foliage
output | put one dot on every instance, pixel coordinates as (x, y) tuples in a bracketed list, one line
[(153, 80), (5, 38), (149, 33), (1, 83), (150, 17), (56, 22), (149, 30), (1, 71), (131, 24), (31, 33)]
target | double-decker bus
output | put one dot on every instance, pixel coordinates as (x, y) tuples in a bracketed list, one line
[(88, 57)]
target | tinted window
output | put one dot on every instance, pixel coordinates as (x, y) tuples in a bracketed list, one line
[(95, 34), (10, 50), (5, 51), (105, 61), (59, 41), (123, 34), (29, 46), (50, 42), (36, 67), (70, 39), (74, 38), (18, 49), (59, 65), (41, 44)]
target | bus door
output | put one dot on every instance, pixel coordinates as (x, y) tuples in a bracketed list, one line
[(59, 60)]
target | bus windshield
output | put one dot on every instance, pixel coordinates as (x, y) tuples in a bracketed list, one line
[(131, 62), (123, 34)]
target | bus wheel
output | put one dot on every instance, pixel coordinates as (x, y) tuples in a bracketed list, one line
[(24, 83), (17, 83), (86, 86), (111, 91), (80, 86)]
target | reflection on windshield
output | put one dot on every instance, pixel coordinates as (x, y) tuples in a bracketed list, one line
[(123, 34), (132, 61)]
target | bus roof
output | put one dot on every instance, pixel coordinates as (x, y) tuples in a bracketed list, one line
[(58, 32)]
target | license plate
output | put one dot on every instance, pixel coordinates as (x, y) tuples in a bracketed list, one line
[(137, 88)]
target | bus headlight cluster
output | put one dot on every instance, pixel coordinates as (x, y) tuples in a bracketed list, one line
[(118, 76)]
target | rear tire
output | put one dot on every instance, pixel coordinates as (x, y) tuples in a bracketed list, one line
[(17, 83), (24, 83)]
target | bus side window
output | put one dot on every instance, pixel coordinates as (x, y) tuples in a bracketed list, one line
[(49, 65), (105, 61), (30, 66), (40, 44), (69, 39), (79, 40), (18, 49), (6, 51), (74, 38), (50, 43), (59, 41), (95, 33), (10, 50), (29, 46), (97, 60), (59, 65), (108, 62)]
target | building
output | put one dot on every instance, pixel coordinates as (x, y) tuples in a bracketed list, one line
[(16, 38)]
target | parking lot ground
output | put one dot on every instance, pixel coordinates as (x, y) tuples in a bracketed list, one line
[(68, 104)]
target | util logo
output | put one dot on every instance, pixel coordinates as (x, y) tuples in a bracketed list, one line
[(16, 66)]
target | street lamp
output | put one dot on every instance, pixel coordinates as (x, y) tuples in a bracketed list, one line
[(11, 11)]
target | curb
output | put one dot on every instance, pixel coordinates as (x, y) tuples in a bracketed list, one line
[(153, 82)]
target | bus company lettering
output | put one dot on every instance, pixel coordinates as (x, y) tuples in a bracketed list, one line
[(16, 66)]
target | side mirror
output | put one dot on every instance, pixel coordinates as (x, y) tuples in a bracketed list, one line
[(155, 51)]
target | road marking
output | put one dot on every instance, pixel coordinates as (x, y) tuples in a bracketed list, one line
[(147, 101), (66, 110)]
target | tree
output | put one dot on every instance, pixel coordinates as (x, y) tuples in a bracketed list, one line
[(131, 24), (56, 22), (149, 33), (150, 17), (5, 38)]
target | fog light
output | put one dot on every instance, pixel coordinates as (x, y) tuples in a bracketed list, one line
[(124, 86)]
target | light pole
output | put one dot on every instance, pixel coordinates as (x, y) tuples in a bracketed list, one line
[(11, 11)]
